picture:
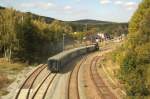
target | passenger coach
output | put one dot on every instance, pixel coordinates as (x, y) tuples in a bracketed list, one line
[(57, 62)]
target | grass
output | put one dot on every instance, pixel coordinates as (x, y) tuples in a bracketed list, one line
[(148, 76), (111, 68), (8, 72), (8, 68), (3, 92), (4, 82)]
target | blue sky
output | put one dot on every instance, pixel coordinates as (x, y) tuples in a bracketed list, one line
[(105, 10)]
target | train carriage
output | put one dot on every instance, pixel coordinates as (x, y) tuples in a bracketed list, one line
[(57, 62)]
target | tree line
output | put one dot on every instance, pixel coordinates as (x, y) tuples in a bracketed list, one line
[(134, 55), (113, 29), (27, 39)]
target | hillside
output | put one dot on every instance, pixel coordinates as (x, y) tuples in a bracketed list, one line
[(46, 19), (88, 25), (80, 22), (77, 22), (90, 21)]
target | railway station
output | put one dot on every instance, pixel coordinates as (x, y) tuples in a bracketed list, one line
[(74, 49)]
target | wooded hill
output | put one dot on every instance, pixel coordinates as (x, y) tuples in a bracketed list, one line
[(89, 21), (28, 38), (32, 38), (89, 25)]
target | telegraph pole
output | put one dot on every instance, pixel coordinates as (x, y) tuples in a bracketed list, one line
[(63, 41)]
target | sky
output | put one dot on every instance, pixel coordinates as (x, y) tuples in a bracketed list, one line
[(69, 10)]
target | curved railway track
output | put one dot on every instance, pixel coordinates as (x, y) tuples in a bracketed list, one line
[(73, 85), (43, 86), (31, 79), (102, 89), (28, 83)]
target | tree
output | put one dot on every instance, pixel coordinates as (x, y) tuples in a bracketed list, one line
[(138, 16), (8, 33), (135, 58), (29, 38)]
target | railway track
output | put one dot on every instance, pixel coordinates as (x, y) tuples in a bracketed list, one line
[(73, 88), (42, 88), (103, 90), (28, 83)]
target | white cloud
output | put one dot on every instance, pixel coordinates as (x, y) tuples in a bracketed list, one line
[(40, 5), (67, 7), (105, 1), (130, 5), (118, 2), (50, 4)]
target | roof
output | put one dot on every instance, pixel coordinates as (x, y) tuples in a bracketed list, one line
[(63, 54)]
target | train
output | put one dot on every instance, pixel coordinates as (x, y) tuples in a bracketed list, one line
[(57, 62)]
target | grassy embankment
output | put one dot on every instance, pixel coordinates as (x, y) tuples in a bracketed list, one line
[(8, 73), (110, 67)]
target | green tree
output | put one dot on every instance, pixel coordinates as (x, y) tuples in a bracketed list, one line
[(29, 38), (8, 33), (135, 58), (138, 16)]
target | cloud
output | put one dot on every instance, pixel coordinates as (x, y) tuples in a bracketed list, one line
[(67, 7), (40, 5), (130, 5), (105, 1), (53, 8), (118, 2)]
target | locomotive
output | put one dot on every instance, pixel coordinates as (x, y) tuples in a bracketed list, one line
[(57, 62)]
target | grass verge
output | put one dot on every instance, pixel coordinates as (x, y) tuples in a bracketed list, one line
[(8, 72)]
